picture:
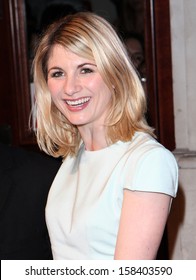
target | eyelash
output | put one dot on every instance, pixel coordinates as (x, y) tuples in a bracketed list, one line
[(58, 74), (86, 70)]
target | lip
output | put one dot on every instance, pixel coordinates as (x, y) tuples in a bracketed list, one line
[(77, 104)]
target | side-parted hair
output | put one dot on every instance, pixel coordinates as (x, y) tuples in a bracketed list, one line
[(90, 36)]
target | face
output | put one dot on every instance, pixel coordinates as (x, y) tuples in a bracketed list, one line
[(77, 89), (135, 51)]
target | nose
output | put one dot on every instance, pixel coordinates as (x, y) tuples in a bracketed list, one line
[(72, 85)]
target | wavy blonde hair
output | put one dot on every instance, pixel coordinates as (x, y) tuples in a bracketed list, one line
[(90, 36)]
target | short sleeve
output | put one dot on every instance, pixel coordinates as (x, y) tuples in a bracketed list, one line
[(155, 171)]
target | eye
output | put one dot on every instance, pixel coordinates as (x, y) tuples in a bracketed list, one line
[(57, 74), (86, 70)]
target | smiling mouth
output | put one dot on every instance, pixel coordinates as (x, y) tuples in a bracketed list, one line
[(78, 102)]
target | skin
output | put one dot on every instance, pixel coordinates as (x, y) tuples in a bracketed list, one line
[(135, 50), (79, 92), (76, 79), (142, 223)]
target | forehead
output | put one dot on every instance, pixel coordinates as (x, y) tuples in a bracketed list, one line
[(60, 55)]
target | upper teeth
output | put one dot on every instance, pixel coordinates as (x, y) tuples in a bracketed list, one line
[(77, 102)]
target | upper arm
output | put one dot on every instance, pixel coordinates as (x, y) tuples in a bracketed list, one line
[(142, 223), (150, 183)]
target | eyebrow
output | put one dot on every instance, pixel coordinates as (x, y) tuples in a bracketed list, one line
[(54, 68), (86, 63), (79, 66)]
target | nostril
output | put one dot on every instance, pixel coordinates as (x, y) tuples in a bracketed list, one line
[(72, 88)]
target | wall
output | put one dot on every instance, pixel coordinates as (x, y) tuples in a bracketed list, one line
[(182, 221)]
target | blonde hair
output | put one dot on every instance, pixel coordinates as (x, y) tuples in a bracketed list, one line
[(90, 36)]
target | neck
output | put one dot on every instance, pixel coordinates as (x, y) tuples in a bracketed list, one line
[(93, 139)]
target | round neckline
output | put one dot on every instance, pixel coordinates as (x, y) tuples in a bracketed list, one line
[(105, 149), (117, 144), (110, 151)]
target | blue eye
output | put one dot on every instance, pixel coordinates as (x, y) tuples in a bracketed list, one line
[(57, 74), (86, 70)]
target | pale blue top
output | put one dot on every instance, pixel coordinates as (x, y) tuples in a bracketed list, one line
[(85, 200)]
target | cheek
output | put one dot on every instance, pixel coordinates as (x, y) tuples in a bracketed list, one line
[(53, 87), (98, 86)]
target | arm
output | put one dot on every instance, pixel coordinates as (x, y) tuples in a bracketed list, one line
[(142, 223)]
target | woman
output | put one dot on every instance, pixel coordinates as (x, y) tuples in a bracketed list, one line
[(113, 192)]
